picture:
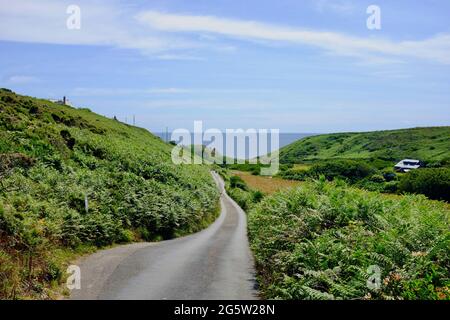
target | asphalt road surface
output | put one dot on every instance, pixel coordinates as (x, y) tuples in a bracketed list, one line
[(214, 264)]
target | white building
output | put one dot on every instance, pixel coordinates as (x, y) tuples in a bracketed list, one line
[(407, 165)]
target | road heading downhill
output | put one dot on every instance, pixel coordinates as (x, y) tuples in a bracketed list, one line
[(215, 263)]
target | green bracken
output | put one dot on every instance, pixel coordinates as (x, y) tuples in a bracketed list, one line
[(52, 159), (323, 239)]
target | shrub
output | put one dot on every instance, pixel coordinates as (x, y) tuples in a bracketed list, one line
[(126, 236), (432, 182), (377, 178), (144, 233), (10, 161), (238, 190), (389, 176), (391, 187), (318, 241), (257, 196), (243, 198), (294, 174), (52, 272), (380, 163), (369, 185), (345, 169), (445, 162), (237, 182)]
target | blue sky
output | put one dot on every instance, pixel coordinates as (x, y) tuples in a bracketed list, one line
[(297, 66)]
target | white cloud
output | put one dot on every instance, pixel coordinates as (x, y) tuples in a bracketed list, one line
[(22, 79), (169, 36), (182, 57), (434, 49), (102, 23)]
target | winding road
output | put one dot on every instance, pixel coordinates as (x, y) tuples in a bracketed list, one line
[(213, 264)]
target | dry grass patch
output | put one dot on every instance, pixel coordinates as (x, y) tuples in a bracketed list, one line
[(267, 185)]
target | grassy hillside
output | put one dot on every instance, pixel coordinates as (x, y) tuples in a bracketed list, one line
[(426, 144), (325, 240), (53, 158)]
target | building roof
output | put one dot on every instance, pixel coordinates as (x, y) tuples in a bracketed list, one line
[(408, 164)]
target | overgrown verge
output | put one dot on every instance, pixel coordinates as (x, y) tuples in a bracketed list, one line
[(72, 181), (239, 191), (326, 240)]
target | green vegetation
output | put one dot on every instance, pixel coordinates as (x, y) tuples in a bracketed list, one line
[(324, 238), (434, 183), (344, 169), (356, 172), (319, 241), (430, 145), (237, 182), (52, 159), (254, 169), (241, 193), (366, 159)]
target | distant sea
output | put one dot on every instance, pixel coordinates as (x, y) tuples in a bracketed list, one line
[(284, 140)]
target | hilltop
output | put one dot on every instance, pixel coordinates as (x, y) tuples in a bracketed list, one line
[(71, 179), (427, 144)]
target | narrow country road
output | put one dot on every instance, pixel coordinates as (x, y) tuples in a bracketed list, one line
[(215, 264)]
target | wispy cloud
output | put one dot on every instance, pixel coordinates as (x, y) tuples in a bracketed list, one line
[(433, 49), (170, 36), (102, 23), (182, 57), (338, 6), (391, 74), (21, 79)]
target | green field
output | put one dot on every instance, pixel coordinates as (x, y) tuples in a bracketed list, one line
[(53, 158), (426, 144)]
